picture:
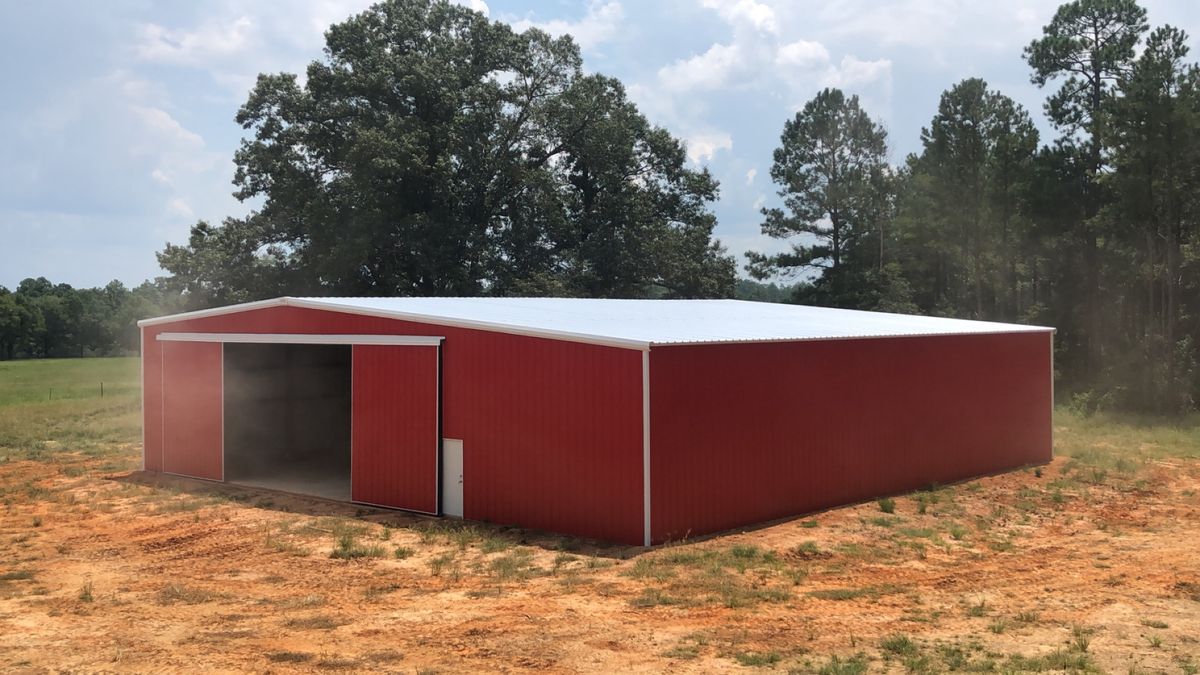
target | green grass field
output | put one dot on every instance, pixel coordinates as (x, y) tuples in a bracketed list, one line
[(56, 404)]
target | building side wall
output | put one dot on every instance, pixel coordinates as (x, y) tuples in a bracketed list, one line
[(747, 433), (551, 430)]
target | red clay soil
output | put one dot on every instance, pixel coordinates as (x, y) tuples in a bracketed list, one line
[(135, 573)]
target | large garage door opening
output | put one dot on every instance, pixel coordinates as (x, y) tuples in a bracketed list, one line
[(287, 417)]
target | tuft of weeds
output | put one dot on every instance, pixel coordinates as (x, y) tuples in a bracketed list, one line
[(348, 548), (317, 622), (17, 575), (978, 609), (757, 659), (887, 505), (1081, 639), (653, 597), (404, 552), (85, 592), (1153, 623), (1026, 617), (515, 566), (998, 626), (37, 521), (289, 657), (807, 550), (957, 531), (900, 645), (188, 595), (854, 665), (809, 524), (446, 562)]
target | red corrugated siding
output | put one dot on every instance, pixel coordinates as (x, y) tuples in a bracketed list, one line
[(746, 433), (191, 409), (395, 427), (551, 430)]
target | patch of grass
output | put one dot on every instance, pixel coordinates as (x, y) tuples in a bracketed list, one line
[(1081, 639), (404, 552), (188, 595), (998, 626), (884, 521), (446, 562), (348, 548), (900, 645), (757, 659), (653, 597), (1153, 623), (17, 575), (809, 524), (85, 592), (337, 663), (514, 566), (836, 665), (1056, 661), (957, 532), (1026, 617), (978, 609), (317, 622), (806, 550), (289, 657), (685, 652), (887, 505)]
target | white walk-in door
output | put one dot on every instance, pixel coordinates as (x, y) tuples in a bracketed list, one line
[(452, 477)]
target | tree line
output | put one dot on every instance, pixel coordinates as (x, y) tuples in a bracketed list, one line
[(1093, 232), (431, 151), (41, 319)]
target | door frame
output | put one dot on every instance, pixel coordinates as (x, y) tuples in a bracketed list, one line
[(435, 341)]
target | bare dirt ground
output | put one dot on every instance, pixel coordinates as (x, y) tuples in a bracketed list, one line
[(1071, 567)]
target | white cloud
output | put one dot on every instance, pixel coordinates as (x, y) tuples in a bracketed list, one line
[(477, 5), (750, 176), (702, 147), (601, 24), (854, 72), (713, 69), (802, 54), (748, 13), (190, 47)]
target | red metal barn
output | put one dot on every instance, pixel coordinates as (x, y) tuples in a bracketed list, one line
[(637, 421)]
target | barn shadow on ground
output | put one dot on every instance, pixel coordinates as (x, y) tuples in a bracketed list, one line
[(305, 505)]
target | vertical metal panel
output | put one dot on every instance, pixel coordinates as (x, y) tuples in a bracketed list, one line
[(746, 433), (394, 455), (551, 430), (191, 409), (152, 431)]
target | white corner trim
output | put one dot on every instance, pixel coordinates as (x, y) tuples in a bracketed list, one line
[(305, 339), (646, 448)]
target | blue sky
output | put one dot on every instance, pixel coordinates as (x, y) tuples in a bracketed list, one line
[(117, 131)]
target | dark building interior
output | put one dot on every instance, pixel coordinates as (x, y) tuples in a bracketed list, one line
[(287, 417)]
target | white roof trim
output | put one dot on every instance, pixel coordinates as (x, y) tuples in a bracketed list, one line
[(306, 339), (635, 324)]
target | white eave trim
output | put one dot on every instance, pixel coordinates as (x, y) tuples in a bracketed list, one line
[(434, 320), (305, 339)]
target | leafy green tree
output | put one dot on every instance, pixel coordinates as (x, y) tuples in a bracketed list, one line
[(433, 152), (964, 218), (1088, 46), (831, 171), (1155, 150)]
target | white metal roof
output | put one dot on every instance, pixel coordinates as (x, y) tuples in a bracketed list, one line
[(638, 324)]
